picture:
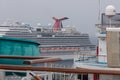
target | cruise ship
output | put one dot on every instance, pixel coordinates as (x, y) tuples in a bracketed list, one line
[(56, 39)]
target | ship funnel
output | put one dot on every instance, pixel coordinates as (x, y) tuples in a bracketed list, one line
[(58, 23), (110, 11)]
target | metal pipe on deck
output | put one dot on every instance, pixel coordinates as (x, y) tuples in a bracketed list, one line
[(46, 60)]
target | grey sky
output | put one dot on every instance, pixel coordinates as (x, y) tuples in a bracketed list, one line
[(82, 13)]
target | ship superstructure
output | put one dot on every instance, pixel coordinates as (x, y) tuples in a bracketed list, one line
[(64, 40)]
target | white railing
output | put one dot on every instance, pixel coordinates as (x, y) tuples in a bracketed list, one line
[(40, 74), (91, 58), (86, 58), (60, 73)]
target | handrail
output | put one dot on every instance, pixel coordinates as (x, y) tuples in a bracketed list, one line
[(66, 70), (32, 60)]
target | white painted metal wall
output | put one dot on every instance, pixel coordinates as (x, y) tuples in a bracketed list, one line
[(102, 50)]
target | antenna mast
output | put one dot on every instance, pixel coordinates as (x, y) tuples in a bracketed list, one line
[(99, 12)]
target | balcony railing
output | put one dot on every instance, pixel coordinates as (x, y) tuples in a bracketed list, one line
[(89, 56)]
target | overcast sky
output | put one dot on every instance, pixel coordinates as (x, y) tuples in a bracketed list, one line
[(81, 13)]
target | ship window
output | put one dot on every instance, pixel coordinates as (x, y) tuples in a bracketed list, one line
[(83, 76), (39, 30)]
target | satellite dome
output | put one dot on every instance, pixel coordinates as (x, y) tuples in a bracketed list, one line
[(110, 11)]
